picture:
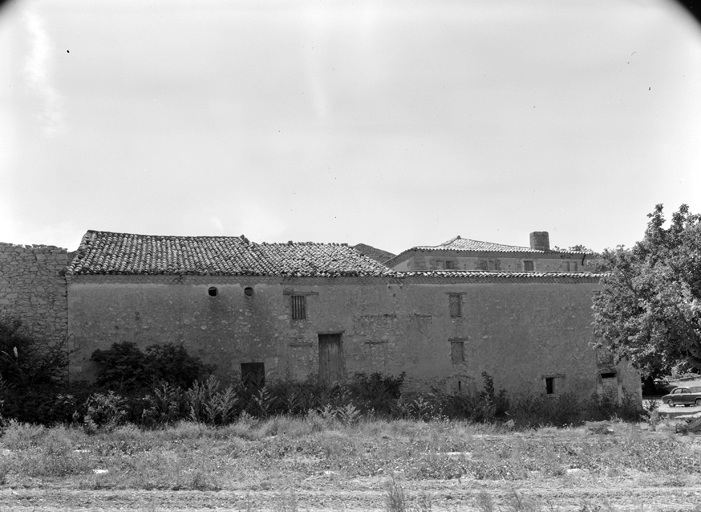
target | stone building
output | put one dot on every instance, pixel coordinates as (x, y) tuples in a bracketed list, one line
[(33, 289), (465, 254), (275, 311)]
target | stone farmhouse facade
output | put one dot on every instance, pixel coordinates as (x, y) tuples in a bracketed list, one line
[(275, 311), (465, 254)]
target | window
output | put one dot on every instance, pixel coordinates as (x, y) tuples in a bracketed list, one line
[(570, 266), (451, 265), (212, 291), (457, 352), (528, 266), (248, 291), (455, 305), (549, 385), (483, 265), (253, 375), (494, 265), (299, 307)]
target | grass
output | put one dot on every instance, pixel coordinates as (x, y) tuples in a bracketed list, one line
[(396, 465)]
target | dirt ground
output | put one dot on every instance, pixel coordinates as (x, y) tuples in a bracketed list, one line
[(369, 495)]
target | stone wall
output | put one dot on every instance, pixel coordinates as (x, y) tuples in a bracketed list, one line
[(33, 289), (530, 334)]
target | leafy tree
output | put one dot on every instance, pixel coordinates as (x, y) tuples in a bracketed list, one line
[(649, 310)]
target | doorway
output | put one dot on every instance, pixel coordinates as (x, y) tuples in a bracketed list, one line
[(331, 367)]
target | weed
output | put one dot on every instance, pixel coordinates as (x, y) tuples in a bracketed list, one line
[(517, 502), (209, 405), (104, 411), (21, 436), (484, 502), (395, 499)]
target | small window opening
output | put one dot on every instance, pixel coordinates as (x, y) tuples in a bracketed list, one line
[(248, 291), (528, 266), (299, 307), (455, 306), (457, 352), (212, 291), (549, 385), (450, 265), (253, 375), (610, 375)]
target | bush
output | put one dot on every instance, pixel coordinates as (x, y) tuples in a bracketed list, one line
[(125, 367), (46, 404), (26, 362)]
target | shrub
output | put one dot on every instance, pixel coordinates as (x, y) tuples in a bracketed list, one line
[(376, 392), (172, 364), (540, 410), (125, 367), (209, 405), (26, 361), (104, 410), (47, 404)]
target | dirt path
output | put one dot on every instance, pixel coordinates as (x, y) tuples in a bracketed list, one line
[(449, 496)]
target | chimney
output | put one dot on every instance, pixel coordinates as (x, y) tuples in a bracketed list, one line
[(540, 240)]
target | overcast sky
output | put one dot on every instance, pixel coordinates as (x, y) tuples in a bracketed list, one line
[(391, 123)]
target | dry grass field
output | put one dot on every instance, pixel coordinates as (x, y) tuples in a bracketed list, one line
[(317, 463)]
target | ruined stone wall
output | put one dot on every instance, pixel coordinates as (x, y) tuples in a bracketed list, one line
[(33, 289), (522, 332)]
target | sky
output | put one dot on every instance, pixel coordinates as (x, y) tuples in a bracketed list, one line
[(393, 123)]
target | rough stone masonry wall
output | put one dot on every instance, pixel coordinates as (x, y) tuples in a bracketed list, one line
[(33, 289)]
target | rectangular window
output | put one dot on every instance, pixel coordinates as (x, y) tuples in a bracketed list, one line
[(528, 266), (299, 307), (253, 375), (573, 266), (483, 265), (550, 385), (455, 305), (457, 352), (450, 265)]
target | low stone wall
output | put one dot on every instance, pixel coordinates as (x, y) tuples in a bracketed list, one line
[(33, 289)]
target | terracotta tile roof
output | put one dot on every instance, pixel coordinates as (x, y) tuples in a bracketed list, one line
[(483, 275), (102, 252), (465, 244), (373, 252)]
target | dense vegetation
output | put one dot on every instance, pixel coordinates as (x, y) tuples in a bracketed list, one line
[(165, 384), (649, 311)]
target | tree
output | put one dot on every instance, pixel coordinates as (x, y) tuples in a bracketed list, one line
[(649, 310)]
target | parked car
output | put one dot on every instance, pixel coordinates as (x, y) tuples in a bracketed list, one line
[(684, 396)]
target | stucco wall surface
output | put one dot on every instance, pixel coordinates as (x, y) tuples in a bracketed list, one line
[(520, 333), (508, 262), (33, 289)]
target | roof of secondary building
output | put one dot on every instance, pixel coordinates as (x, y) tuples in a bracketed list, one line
[(374, 253), (106, 253)]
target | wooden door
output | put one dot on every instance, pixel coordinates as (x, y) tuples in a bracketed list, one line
[(331, 368)]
